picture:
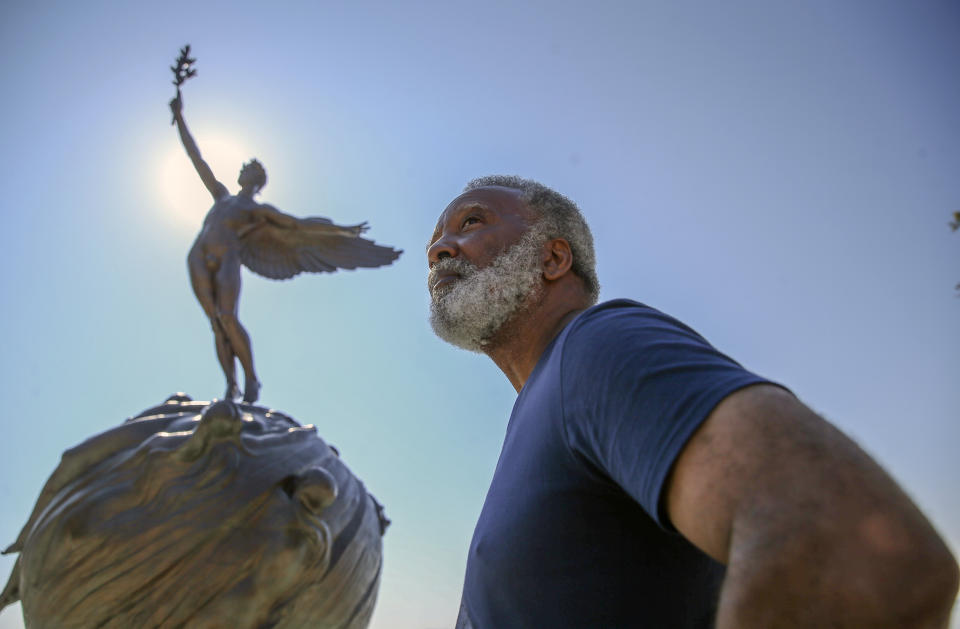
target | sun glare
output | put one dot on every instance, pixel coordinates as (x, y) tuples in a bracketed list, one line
[(185, 199)]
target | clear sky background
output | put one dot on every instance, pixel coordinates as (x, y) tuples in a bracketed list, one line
[(777, 175)]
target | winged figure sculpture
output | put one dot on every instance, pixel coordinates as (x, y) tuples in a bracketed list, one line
[(238, 230)]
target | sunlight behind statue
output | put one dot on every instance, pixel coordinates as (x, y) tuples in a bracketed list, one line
[(238, 230)]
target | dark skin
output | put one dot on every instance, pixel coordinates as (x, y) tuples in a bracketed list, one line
[(478, 226), (812, 531), (214, 260)]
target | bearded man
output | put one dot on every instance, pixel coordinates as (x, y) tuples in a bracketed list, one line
[(646, 479)]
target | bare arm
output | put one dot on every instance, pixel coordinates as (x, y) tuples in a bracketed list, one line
[(814, 533), (263, 214), (268, 213), (217, 189)]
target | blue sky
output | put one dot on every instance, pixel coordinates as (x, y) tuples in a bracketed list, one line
[(777, 175)]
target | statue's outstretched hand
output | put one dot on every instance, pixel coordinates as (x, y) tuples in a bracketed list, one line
[(176, 107)]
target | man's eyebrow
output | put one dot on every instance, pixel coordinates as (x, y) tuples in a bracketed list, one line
[(460, 209)]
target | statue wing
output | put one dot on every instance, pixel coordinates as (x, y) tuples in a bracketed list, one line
[(314, 245)]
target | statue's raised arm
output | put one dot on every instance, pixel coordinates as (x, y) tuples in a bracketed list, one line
[(216, 188), (182, 70)]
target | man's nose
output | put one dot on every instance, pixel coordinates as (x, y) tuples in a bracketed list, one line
[(442, 247)]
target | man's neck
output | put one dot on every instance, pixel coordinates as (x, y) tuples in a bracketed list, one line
[(522, 340)]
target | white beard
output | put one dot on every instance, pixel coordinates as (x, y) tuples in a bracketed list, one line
[(469, 311)]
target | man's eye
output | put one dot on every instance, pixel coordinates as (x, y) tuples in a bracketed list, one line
[(470, 220)]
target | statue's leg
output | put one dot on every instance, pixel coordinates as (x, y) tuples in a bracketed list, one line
[(227, 299), (202, 282), (226, 357)]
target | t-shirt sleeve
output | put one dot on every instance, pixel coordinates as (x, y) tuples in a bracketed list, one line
[(636, 385)]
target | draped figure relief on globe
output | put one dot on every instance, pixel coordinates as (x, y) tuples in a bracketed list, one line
[(201, 515), (238, 230), (215, 514)]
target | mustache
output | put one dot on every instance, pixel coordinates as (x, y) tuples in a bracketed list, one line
[(449, 265)]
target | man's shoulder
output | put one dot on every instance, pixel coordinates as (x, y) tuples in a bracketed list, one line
[(621, 330), (619, 306), (617, 316)]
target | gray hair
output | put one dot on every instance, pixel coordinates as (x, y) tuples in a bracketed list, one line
[(562, 218)]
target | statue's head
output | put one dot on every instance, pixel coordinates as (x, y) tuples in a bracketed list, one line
[(252, 174), (201, 515)]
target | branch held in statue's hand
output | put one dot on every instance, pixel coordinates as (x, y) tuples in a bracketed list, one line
[(182, 70)]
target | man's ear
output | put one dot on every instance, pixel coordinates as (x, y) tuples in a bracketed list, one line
[(557, 259)]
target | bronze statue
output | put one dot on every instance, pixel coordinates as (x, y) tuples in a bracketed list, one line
[(194, 514), (239, 230)]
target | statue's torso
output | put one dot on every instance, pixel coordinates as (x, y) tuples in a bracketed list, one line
[(220, 234)]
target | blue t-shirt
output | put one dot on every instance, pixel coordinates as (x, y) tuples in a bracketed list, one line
[(573, 532)]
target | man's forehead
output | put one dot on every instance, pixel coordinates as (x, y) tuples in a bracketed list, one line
[(497, 198)]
